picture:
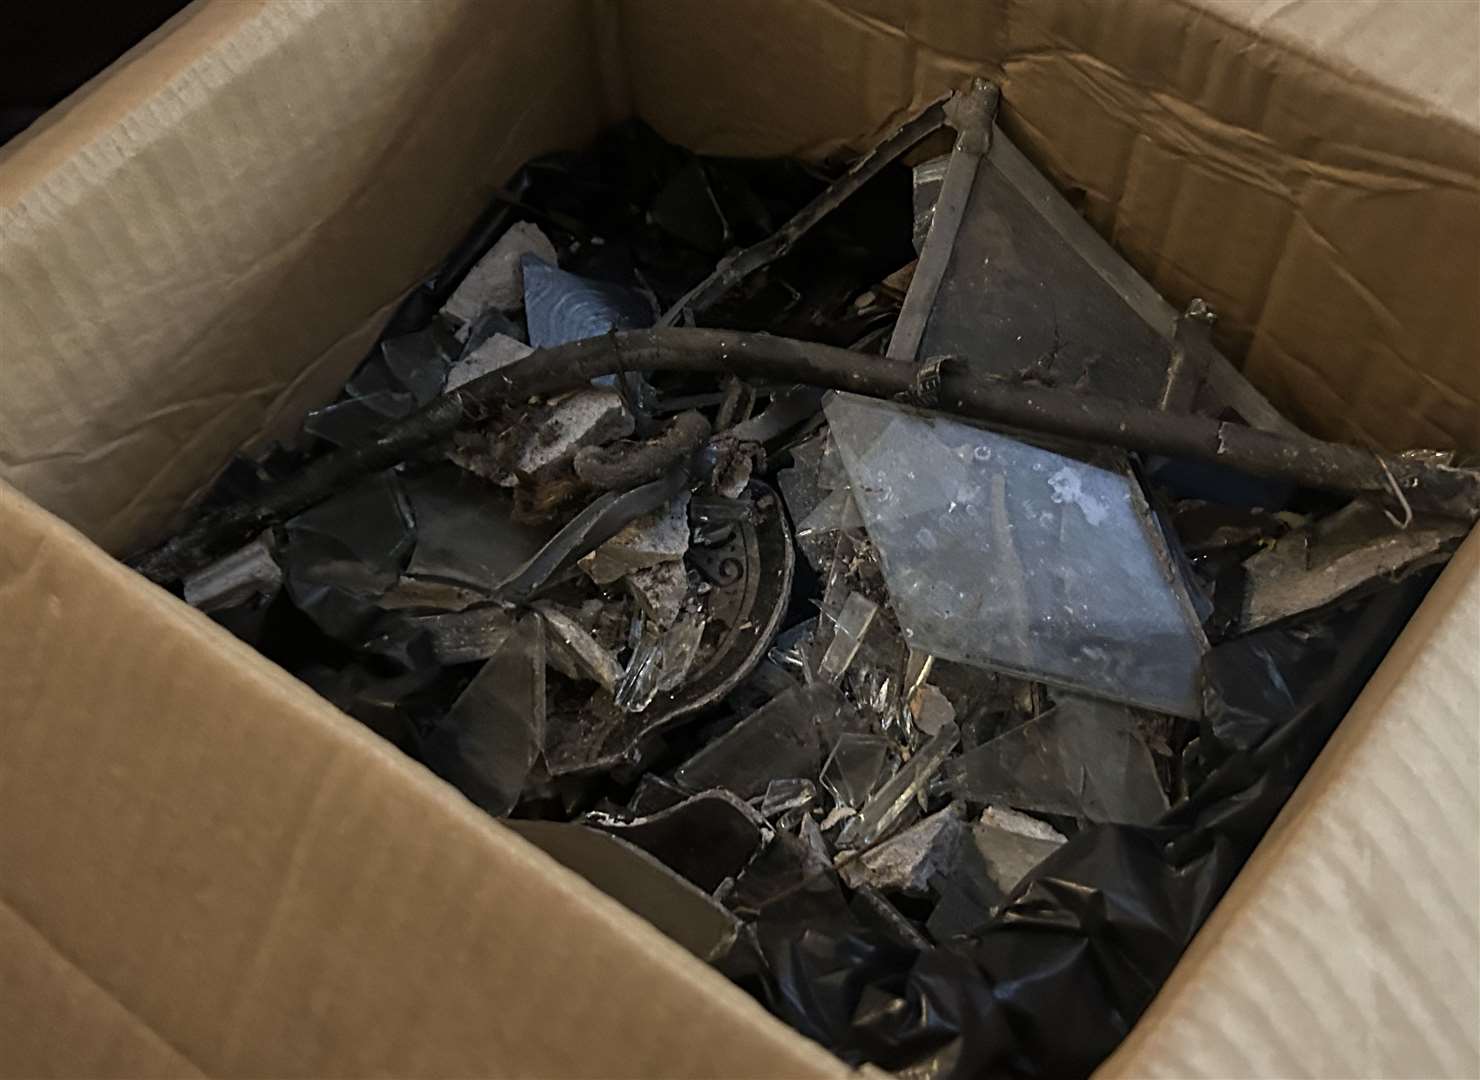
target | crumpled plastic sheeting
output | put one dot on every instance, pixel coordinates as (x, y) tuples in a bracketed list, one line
[(1059, 976)]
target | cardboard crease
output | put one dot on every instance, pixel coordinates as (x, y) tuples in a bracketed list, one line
[(213, 870)]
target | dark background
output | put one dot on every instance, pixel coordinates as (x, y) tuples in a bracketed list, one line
[(47, 50)]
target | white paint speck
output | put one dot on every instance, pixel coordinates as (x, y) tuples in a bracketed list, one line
[(1068, 488)]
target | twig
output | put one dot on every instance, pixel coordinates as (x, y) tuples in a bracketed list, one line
[(1049, 411), (736, 269)]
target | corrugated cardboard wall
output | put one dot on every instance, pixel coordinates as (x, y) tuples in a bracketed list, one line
[(1350, 944), (246, 137), (199, 244), (206, 869), (196, 248), (1330, 214)]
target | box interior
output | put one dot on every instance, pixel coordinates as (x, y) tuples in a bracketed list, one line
[(219, 873), (197, 251)]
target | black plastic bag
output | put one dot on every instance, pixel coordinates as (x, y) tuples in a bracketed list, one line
[(1059, 976)]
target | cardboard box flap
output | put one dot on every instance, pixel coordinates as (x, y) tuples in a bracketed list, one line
[(1326, 206), (221, 873), (203, 242), (214, 871), (1350, 944), (1389, 45)]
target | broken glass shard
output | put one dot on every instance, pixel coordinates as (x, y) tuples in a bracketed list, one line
[(706, 838), (1000, 554), (792, 650), (686, 208), (907, 862), (925, 192), (887, 806), (653, 794), (817, 533), (918, 665), (789, 794), (1084, 758), (849, 627), (807, 457), (739, 621), (355, 419), (660, 661), (562, 307), (1341, 555), (574, 652), (1004, 846), (489, 741), (639, 682), (429, 594), (680, 645), (370, 524), (760, 686), (372, 377), (497, 280), (497, 351), (343, 554), (638, 880), (463, 636), (785, 883), (846, 626), (835, 817), (874, 910), (465, 530), (456, 637), (420, 361), (800, 485), (967, 897), (783, 738), (487, 325), (810, 833), (781, 419), (858, 764)]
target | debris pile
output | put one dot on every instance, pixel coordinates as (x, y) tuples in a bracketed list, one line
[(863, 701)]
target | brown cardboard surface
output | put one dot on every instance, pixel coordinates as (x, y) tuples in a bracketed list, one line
[(207, 869), (204, 868), (198, 247), (1374, 41), (192, 254), (1310, 169), (1350, 944)]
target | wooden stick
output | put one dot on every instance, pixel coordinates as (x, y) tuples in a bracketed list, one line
[(1414, 477)]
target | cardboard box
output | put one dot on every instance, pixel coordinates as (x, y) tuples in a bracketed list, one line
[(204, 868)]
